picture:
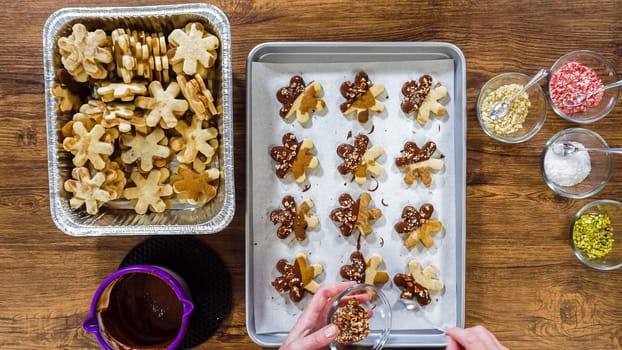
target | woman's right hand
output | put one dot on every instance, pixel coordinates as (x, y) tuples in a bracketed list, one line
[(474, 338)]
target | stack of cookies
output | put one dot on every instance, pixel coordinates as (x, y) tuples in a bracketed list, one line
[(142, 116)]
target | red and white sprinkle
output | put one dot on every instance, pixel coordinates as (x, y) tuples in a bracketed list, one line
[(570, 79)]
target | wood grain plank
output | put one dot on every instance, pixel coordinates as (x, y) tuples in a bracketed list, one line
[(523, 282)]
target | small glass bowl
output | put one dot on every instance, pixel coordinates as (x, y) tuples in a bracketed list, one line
[(378, 310), (601, 163), (613, 209), (606, 72), (535, 117)]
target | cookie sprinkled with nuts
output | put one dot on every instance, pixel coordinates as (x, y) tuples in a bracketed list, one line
[(418, 225), (422, 98), (361, 97), (355, 214), (411, 289), (419, 283), (353, 322), (294, 219), (415, 93), (293, 157), (358, 159), (418, 162), (297, 278), (362, 271), (298, 98)]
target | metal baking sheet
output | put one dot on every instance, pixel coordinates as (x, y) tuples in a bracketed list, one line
[(209, 218), (258, 228)]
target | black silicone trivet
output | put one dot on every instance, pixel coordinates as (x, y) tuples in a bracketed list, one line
[(204, 272)]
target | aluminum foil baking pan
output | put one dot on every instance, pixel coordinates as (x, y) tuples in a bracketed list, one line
[(209, 218)]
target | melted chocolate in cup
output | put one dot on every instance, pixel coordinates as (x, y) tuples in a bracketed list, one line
[(140, 307), (143, 312)]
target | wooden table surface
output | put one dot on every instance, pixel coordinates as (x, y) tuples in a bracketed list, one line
[(523, 281)]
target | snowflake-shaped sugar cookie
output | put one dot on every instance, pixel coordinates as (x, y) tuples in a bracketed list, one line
[(162, 107), (422, 98), (359, 160), (353, 214), (299, 99), (293, 157), (361, 97), (86, 145), (86, 190), (196, 187), (418, 225), (195, 141), (144, 148), (418, 162), (85, 53), (297, 278), (194, 49), (419, 282), (149, 191), (294, 219)]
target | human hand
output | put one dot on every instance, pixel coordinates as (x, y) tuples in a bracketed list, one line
[(474, 338), (310, 331)]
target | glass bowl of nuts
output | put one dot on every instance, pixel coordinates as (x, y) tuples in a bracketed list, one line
[(363, 315), (572, 86), (593, 234), (525, 116), (571, 171)]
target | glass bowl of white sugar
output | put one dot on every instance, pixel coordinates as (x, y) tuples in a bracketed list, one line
[(576, 174)]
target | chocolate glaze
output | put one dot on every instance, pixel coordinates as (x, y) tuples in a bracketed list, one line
[(373, 189), (347, 214), (373, 127), (352, 155), (355, 271), (358, 241), (286, 154), (412, 154), (413, 218), (411, 289), (290, 280), (143, 312), (353, 91), (415, 93), (288, 94), (286, 217)]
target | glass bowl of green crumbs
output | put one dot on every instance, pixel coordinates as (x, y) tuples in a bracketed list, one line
[(595, 232), (526, 113)]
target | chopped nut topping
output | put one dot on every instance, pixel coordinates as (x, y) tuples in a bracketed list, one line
[(415, 93), (352, 321), (411, 289)]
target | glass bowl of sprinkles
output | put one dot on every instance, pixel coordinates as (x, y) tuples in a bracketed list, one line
[(595, 234), (526, 113), (579, 173), (363, 315), (573, 77)]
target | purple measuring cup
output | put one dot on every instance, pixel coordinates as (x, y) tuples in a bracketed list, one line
[(140, 307)]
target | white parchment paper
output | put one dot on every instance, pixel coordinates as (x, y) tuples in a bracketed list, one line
[(325, 245)]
